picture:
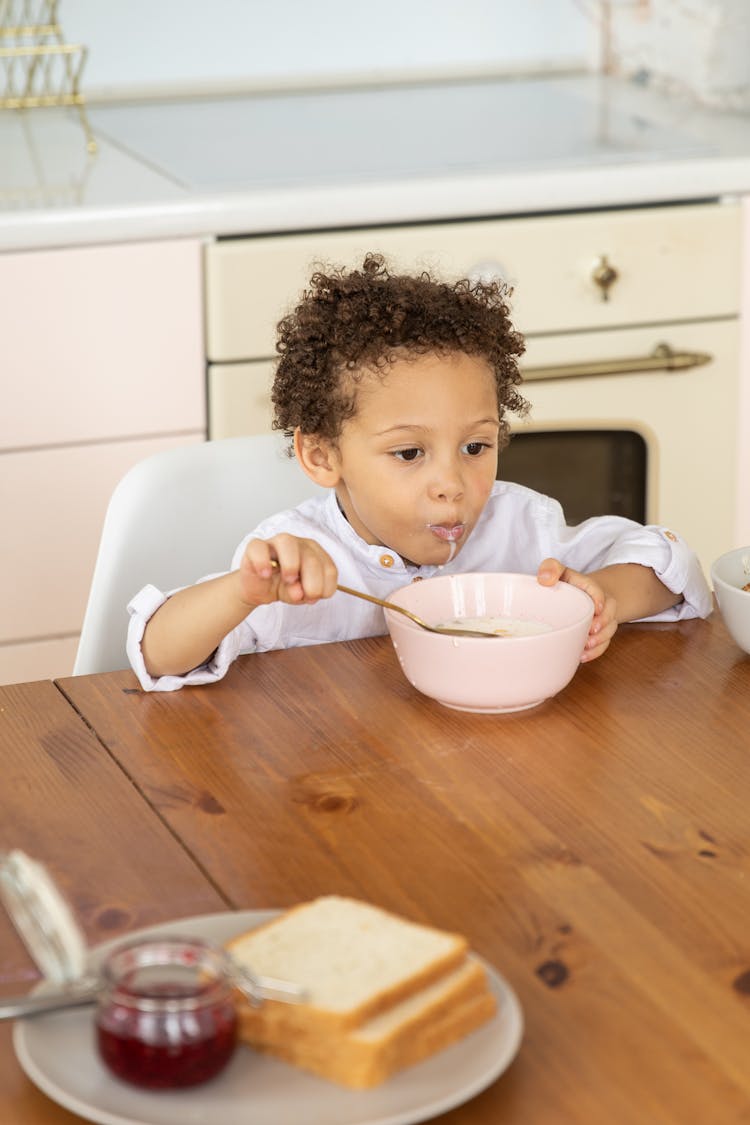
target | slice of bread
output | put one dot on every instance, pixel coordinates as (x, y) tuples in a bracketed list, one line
[(368, 1055), (353, 959)]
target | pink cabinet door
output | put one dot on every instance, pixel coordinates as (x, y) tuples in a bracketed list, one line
[(53, 503), (102, 364), (101, 342)]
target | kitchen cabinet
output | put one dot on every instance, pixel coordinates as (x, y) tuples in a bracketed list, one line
[(666, 291), (102, 365)]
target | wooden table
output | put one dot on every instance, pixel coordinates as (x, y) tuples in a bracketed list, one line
[(595, 849)]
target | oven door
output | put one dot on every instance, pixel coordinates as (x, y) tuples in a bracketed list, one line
[(684, 416)]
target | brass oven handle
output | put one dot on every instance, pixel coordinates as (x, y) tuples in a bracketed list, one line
[(663, 358)]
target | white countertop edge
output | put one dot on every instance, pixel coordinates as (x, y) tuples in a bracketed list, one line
[(372, 204)]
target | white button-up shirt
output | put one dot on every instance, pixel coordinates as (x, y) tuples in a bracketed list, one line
[(516, 531)]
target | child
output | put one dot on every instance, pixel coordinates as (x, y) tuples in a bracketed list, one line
[(394, 391)]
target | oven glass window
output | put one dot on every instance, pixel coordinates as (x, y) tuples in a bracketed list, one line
[(591, 472)]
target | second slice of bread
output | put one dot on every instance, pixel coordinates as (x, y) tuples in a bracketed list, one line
[(406, 1034)]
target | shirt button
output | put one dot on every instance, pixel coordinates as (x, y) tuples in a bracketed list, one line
[(670, 535), (387, 560)]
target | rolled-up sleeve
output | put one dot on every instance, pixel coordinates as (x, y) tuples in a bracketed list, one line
[(676, 565), (141, 609), (611, 540)]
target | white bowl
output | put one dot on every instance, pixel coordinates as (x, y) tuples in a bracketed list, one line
[(728, 576), (502, 673)]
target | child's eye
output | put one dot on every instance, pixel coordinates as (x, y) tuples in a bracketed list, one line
[(407, 454), (474, 448)]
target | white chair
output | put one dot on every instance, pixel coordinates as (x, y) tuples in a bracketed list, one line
[(175, 517)]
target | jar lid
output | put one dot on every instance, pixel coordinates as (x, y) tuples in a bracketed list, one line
[(42, 917)]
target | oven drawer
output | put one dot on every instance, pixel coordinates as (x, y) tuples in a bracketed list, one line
[(671, 263)]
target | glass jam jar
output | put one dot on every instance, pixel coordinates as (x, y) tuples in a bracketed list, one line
[(166, 1013)]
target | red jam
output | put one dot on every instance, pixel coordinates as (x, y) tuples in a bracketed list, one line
[(166, 1017)]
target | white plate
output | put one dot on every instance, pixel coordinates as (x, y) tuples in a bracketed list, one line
[(58, 1053)]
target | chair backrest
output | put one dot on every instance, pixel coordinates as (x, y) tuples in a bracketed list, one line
[(175, 517)]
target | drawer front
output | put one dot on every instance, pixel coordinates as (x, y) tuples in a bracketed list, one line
[(239, 399), (53, 503), (101, 342), (38, 660), (672, 263)]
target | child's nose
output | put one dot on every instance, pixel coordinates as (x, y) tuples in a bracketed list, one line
[(447, 484)]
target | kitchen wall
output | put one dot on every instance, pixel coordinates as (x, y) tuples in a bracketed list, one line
[(695, 48), (180, 45)]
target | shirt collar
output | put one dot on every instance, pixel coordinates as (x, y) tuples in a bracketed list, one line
[(372, 554)]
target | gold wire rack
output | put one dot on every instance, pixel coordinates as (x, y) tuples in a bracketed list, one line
[(37, 67)]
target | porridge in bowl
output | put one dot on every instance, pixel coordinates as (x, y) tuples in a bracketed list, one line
[(497, 626)]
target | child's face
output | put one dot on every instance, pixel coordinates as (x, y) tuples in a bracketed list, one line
[(417, 462)]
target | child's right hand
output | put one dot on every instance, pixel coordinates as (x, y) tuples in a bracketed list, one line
[(287, 569)]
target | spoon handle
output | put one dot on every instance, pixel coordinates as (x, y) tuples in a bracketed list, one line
[(363, 595), (444, 630), (386, 605), (257, 989), (13, 1007)]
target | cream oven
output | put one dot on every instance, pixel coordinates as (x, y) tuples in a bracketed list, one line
[(641, 424), (631, 322)]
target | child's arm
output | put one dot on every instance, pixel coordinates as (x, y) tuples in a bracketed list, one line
[(188, 627), (623, 592)]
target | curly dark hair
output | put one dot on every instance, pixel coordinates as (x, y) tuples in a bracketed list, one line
[(350, 322)]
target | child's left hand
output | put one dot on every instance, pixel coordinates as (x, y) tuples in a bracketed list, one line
[(604, 622)]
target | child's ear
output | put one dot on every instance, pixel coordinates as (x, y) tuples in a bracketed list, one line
[(318, 457)]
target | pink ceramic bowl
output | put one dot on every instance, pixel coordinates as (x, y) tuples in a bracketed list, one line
[(497, 674)]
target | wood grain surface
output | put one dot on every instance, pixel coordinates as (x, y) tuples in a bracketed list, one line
[(595, 849), (66, 803)]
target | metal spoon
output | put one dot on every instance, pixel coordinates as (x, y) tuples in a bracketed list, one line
[(37, 1003), (449, 629), (86, 990)]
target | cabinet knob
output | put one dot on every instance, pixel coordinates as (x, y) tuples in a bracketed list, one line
[(604, 275)]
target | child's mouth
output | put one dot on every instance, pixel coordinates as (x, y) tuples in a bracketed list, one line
[(448, 534)]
